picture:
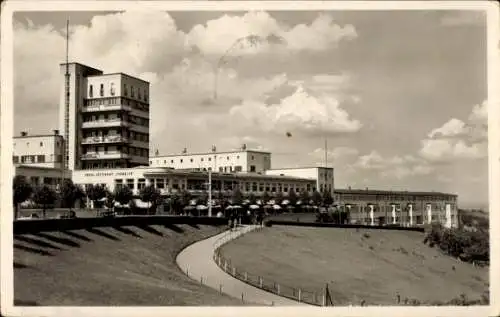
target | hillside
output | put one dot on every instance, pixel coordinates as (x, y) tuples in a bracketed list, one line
[(370, 265), (110, 266)]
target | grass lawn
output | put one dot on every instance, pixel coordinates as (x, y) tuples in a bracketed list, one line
[(370, 265), (110, 266)]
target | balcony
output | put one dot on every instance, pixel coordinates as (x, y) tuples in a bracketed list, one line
[(104, 156), (101, 108), (105, 124), (105, 139)]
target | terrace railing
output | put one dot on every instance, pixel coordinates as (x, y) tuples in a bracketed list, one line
[(317, 297)]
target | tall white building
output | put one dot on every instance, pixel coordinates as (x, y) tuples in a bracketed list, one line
[(106, 119), (244, 161), (39, 150)]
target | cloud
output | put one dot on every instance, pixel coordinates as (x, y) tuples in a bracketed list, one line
[(458, 140), (222, 36), (338, 155), (393, 166), (299, 112)]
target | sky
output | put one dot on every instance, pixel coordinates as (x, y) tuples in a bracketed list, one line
[(399, 96)]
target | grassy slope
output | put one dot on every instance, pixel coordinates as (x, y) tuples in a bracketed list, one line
[(107, 266), (311, 257)]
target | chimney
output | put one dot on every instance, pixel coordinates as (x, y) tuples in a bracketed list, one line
[(244, 147), (24, 133), (56, 132), (349, 187)]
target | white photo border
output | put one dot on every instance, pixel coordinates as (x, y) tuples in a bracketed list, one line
[(7, 170)]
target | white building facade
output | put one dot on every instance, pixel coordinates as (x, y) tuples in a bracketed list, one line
[(244, 161), (323, 176), (169, 181), (106, 121), (39, 150)]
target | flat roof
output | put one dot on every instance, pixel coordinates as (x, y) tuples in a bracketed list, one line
[(123, 74), (76, 63), (297, 168), (209, 153), (227, 175), (390, 192)]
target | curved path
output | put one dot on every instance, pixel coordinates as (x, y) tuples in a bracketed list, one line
[(197, 262)]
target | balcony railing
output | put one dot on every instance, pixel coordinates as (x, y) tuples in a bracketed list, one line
[(105, 123), (104, 156), (105, 139), (99, 108)]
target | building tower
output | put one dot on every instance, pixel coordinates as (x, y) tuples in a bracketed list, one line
[(105, 118)]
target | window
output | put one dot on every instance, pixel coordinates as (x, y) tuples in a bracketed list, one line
[(118, 183), (201, 159), (181, 160), (101, 90), (130, 183), (253, 157), (125, 90), (227, 158), (145, 95), (40, 158), (132, 92), (139, 94), (191, 160), (112, 89), (210, 159), (141, 183), (220, 169), (15, 159), (41, 143), (238, 168), (91, 91), (160, 183), (252, 168), (172, 161)]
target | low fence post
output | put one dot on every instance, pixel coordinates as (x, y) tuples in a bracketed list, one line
[(300, 295), (260, 282), (225, 266), (278, 289), (242, 298), (246, 276), (201, 280), (220, 288), (234, 271)]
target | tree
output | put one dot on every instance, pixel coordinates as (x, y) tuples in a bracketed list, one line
[(292, 198), (175, 203), (152, 196), (304, 197), (22, 190), (45, 196), (265, 198), (252, 199), (316, 198), (123, 195), (96, 192), (70, 193), (203, 198), (278, 199), (185, 198), (327, 198), (110, 200), (237, 197)]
